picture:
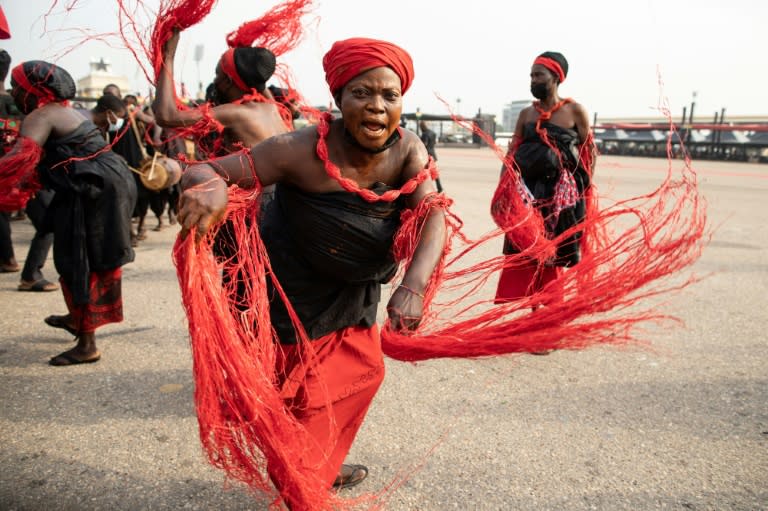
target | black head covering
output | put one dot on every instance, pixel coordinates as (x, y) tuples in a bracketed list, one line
[(557, 57), (109, 102), (43, 74), (5, 64), (255, 66)]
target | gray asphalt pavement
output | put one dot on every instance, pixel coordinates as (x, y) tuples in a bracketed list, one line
[(681, 424)]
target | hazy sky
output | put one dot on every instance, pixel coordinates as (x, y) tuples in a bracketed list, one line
[(479, 52)]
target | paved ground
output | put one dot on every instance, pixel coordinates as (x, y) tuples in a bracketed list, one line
[(683, 426)]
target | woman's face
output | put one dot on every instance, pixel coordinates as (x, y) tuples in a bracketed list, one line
[(543, 82), (371, 104), (25, 101)]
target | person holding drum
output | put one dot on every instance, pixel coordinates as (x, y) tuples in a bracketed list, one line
[(111, 115), (90, 215)]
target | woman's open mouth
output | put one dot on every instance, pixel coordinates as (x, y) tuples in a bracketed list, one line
[(373, 129)]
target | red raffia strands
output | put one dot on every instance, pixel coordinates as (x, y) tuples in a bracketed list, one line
[(351, 186), (659, 234), (280, 30), (244, 424), (174, 15), (18, 174)]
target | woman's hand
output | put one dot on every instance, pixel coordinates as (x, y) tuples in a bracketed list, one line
[(203, 200), (169, 48), (405, 308)]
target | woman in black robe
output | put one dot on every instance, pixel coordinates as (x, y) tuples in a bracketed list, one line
[(91, 213)]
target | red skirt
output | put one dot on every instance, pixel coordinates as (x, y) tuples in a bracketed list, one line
[(105, 301), (348, 371), (521, 281)]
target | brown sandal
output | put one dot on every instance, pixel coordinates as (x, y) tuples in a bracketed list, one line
[(355, 474), (41, 285)]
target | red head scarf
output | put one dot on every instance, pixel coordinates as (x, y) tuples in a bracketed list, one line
[(351, 57), (228, 67), (555, 62)]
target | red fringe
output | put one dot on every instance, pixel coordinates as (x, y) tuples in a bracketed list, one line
[(279, 29), (660, 234), (18, 174), (173, 14), (244, 424)]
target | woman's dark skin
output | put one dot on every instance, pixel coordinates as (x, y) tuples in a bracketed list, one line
[(371, 104), (570, 116), (54, 120)]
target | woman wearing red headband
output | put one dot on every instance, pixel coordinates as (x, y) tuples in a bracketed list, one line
[(553, 153)]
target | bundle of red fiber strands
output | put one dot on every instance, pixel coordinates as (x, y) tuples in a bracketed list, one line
[(245, 425), (628, 248), (18, 174), (279, 30)]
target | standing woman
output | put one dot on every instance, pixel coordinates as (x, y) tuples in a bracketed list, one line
[(340, 189), (90, 215)]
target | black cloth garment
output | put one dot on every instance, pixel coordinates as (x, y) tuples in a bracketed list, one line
[(128, 146), (42, 241), (330, 252), (429, 139), (6, 242), (8, 107), (90, 215), (540, 168)]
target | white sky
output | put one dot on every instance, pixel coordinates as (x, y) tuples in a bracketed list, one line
[(479, 51)]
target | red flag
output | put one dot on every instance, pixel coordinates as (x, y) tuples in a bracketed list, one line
[(5, 32)]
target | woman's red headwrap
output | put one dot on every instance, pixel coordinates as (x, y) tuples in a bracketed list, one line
[(351, 57), (555, 62)]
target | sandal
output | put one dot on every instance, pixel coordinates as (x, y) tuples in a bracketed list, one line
[(39, 285), (60, 322), (355, 474), (66, 359), (9, 267)]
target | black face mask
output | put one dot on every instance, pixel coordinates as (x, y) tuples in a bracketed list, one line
[(539, 91)]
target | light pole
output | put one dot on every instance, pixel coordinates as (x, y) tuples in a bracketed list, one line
[(198, 58), (418, 120)]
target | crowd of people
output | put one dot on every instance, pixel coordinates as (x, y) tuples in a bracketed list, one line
[(305, 224), (89, 160)]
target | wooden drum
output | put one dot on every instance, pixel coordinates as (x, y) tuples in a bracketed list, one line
[(159, 173)]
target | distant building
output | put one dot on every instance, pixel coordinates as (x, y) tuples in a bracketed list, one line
[(510, 113), (92, 85)]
